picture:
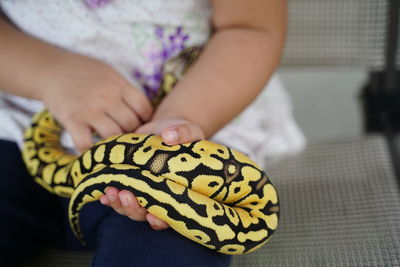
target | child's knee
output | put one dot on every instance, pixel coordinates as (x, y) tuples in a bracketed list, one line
[(123, 242)]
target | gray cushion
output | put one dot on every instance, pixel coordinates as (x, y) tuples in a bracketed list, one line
[(340, 206)]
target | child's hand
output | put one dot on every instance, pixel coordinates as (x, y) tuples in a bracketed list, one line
[(85, 94), (88, 96), (173, 131)]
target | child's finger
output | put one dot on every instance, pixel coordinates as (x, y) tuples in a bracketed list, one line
[(182, 133), (131, 207), (146, 128), (156, 127), (156, 223), (81, 134), (104, 200), (105, 126), (138, 102), (115, 203), (125, 117)]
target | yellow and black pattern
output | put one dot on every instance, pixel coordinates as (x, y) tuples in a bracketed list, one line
[(173, 70), (207, 192)]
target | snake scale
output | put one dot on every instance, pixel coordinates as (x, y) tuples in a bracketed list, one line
[(209, 193)]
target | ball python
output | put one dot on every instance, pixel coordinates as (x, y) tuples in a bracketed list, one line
[(209, 193)]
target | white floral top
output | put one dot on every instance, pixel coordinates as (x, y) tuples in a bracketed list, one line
[(136, 37)]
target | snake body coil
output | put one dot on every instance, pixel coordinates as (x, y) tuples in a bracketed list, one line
[(207, 192)]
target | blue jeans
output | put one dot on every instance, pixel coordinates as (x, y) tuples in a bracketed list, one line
[(31, 218)]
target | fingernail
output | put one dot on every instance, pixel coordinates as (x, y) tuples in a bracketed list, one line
[(171, 135), (124, 201), (106, 189)]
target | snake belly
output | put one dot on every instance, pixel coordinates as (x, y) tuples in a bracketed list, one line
[(205, 191)]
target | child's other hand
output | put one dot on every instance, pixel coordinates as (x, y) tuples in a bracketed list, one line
[(88, 96), (173, 131)]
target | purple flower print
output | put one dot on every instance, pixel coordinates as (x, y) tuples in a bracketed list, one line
[(96, 3), (159, 32), (170, 45)]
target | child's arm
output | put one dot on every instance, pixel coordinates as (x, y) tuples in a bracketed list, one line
[(233, 68), (84, 94)]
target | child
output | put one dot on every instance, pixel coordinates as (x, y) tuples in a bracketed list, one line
[(96, 64)]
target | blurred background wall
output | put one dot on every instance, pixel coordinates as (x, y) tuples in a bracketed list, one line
[(331, 47), (326, 102)]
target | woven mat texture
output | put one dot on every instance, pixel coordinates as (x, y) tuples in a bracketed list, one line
[(340, 207)]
